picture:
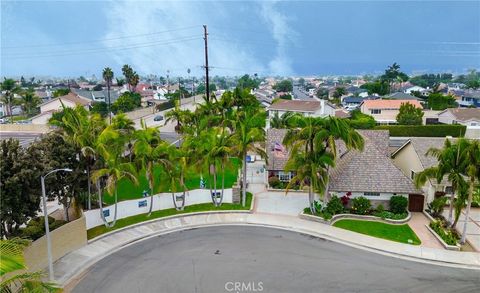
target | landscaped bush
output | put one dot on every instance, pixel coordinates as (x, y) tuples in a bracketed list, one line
[(361, 205), (380, 208), (274, 182), (36, 227), (435, 208), (398, 204), (442, 130), (389, 215), (334, 206), (346, 199), (448, 235)]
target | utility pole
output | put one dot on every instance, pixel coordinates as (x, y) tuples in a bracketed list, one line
[(168, 82), (207, 90)]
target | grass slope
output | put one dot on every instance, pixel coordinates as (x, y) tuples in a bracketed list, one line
[(99, 230), (398, 233), (127, 190)]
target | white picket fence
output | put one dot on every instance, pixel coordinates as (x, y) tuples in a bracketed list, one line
[(161, 201)]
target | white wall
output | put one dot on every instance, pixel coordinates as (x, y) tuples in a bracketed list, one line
[(160, 202)]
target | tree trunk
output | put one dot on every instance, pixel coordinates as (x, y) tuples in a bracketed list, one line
[(244, 180), (311, 201), (100, 204), (223, 184), (215, 184), (116, 204), (89, 204), (151, 200), (467, 212), (450, 212)]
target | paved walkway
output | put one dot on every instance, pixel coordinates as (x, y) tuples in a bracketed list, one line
[(417, 223), (70, 267)]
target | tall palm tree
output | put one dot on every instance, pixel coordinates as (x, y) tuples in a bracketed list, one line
[(128, 73), (29, 101), (9, 89), (149, 149), (472, 170), (110, 147), (450, 159), (249, 135), (108, 77), (12, 260)]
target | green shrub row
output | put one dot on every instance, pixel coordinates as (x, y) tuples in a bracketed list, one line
[(454, 130), (36, 227), (448, 235), (166, 105)]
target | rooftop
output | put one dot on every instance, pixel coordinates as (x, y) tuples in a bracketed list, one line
[(296, 105), (464, 114), (389, 104)]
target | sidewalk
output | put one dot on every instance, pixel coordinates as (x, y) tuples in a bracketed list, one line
[(70, 267), (417, 223)]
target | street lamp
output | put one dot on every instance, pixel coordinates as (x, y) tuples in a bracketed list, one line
[(45, 213)]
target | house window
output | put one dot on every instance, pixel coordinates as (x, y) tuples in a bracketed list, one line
[(284, 176), (412, 174), (448, 189), (371, 193), (375, 111)]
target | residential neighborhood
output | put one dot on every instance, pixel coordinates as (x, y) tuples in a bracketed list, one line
[(245, 146)]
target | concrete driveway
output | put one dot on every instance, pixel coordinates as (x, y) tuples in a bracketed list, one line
[(277, 202), (473, 226)]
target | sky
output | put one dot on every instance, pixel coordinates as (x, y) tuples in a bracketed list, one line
[(73, 38)]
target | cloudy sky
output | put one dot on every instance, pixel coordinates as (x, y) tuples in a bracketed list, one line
[(72, 38)]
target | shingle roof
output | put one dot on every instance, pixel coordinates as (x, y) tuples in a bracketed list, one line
[(371, 170), (401, 96), (389, 104), (296, 105), (72, 98), (276, 159), (464, 114), (423, 144)]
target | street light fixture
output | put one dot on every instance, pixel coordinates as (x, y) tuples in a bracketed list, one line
[(45, 213)]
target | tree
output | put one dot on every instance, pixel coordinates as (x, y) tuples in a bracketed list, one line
[(61, 92), (437, 101), (248, 135), (9, 89), (128, 73), (97, 87), (29, 101), (471, 162), (120, 81), (322, 93), (108, 77), (450, 159), (301, 81), (283, 86), (377, 87), (393, 73), (358, 120), (13, 261), (100, 108), (281, 122), (127, 102), (246, 82), (409, 115), (339, 92), (20, 173)]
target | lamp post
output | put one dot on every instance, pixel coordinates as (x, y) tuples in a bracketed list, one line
[(45, 213)]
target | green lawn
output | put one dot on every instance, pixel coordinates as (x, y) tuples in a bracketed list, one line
[(398, 233), (127, 190), (99, 230)]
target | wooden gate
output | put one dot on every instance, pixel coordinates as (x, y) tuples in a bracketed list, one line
[(415, 202)]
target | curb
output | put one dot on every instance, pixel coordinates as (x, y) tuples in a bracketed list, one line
[(339, 217)]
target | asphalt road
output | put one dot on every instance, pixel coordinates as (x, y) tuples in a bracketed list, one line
[(216, 259), (300, 94), (24, 138)]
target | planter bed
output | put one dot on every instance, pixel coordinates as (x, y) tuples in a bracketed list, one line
[(307, 216), (440, 239)]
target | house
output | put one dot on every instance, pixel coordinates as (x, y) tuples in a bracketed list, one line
[(277, 155), (70, 100), (314, 108), (371, 173), (354, 102), (400, 96), (469, 117), (411, 158), (385, 111), (98, 96), (468, 98), (415, 88)]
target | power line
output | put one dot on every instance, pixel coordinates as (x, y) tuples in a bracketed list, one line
[(101, 40)]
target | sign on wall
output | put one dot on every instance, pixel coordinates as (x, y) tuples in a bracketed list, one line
[(142, 203), (106, 213)]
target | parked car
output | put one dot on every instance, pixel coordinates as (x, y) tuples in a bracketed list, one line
[(158, 118)]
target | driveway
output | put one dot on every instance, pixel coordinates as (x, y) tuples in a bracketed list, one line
[(417, 223), (277, 202), (215, 259), (473, 226)]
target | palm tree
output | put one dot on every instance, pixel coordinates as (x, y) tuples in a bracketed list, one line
[(150, 149), (450, 160), (472, 170), (110, 147), (128, 73), (9, 89), (12, 260), (29, 101), (108, 77), (249, 134)]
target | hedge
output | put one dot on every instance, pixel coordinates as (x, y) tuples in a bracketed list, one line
[(166, 105), (454, 130)]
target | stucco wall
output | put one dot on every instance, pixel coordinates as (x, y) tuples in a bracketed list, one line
[(161, 201), (64, 239)]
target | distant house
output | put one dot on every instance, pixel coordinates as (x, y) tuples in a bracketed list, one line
[(385, 111), (70, 100), (98, 96), (415, 88), (400, 96), (469, 117), (468, 98), (354, 102), (277, 155), (314, 108), (411, 158)]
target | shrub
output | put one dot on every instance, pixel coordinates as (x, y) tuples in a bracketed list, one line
[(380, 208), (398, 204), (334, 206), (435, 208), (449, 236), (36, 227), (361, 205), (273, 181), (454, 130), (346, 199)]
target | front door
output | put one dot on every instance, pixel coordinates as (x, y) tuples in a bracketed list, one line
[(415, 202)]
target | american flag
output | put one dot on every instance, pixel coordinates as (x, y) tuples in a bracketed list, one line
[(279, 151)]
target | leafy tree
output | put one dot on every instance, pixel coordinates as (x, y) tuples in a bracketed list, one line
[(283, 86), (437, 101), (100, 108), (359, 120), (61, 92), (13, 263), (409, 115), (377, 87), (20, 173), (201, 88), (128, 73), (322, 93), (339, 92), (301, 81), (29, 101), (9, 89), (127, 102), (286, 97), (393, 73), (430, 80), (246, 81)]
